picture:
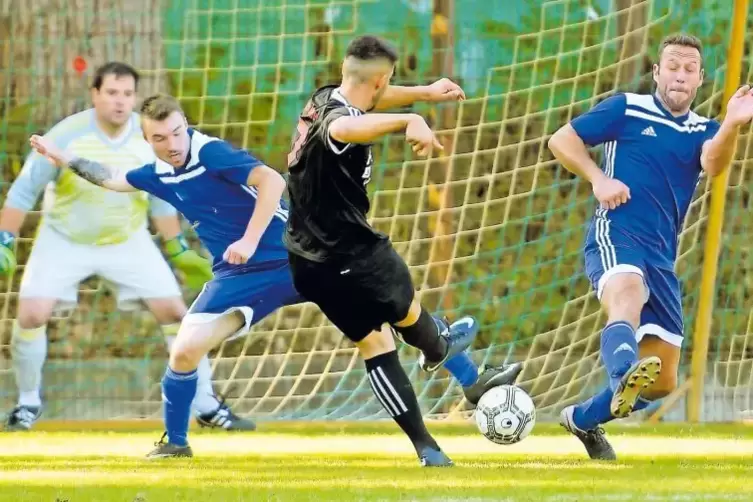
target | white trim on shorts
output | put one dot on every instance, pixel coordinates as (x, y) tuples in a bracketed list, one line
[(205, 317), (607, 251), (621, 269), (656, 330)]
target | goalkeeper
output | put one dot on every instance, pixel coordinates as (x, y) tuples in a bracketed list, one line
[(87, 230)]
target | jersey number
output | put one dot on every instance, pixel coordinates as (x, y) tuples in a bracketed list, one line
[(367, 172), (301, 132)]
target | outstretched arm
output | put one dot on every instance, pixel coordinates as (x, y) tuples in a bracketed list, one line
[(369, 127), (396, 96), (92, 171), (718, 152)]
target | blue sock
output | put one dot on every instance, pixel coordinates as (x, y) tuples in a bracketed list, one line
[(462, 367), (178, 391), (641, 404), (619, 350), (596, 411)]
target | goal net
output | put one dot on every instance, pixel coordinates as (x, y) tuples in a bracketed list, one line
[(492, 228)]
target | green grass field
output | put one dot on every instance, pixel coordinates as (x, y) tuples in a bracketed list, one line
[(339, 462)]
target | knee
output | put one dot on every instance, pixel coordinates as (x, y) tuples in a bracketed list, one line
[(186, 351), (376, 343), (169, 312), (624, 297), (411, 317), (29, 318)]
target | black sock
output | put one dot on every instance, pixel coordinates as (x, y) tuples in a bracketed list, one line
[(393, 389), (424, 335)]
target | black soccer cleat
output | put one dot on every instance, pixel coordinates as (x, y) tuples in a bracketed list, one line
[(21, 418), (639, 377), (165, 449), (491, 377), (595, 441), (459, 336), (224, 418), (431, 457)]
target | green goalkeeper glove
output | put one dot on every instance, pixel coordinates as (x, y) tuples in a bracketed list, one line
[(7, 256), (196, 270)]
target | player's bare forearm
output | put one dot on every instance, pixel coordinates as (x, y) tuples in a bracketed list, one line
[(91, 170), (269, 186), (12, 219), (718, 152), (168, 227), (99, 174), (94, 172), (397, 96), (369, 127), (573, 154)]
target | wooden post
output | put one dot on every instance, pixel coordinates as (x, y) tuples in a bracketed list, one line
[(440, 196)]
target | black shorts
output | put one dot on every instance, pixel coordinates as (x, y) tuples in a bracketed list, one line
[(360, 294)]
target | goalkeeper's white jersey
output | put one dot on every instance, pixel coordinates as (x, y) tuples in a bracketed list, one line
[(78, 209)]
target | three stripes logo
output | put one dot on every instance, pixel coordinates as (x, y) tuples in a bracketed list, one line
[(649, 131), (386, 393)]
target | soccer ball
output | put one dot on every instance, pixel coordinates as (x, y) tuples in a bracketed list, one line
[(505, 414)]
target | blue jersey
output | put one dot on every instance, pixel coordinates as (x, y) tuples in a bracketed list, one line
[(657, 156), (211, 191)]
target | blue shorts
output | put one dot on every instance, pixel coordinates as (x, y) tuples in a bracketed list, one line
[(610, 253), (255, 292)]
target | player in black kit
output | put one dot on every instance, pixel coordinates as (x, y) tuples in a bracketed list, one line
[(347, 268)]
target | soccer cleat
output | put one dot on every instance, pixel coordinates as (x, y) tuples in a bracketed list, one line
[(224, 418), (430, 457), (165, 449), (491, 377), (597, 446), (21, 418), (639, 377), (459, 336)]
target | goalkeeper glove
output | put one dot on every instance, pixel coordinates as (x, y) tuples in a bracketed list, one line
[(196, 269), (7, 256)]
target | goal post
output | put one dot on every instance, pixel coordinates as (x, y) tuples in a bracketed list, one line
[(719, 194)]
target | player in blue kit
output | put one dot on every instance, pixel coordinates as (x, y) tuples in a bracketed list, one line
[(655, 150), (234, 203)]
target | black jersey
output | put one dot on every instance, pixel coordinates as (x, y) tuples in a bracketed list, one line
[(327, 185)]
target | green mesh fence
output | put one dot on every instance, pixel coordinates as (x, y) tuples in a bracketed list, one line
[(493, 229)]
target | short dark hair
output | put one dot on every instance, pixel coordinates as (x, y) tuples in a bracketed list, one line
[(114, 68), (370, 47), (159, 106), (684, 40)]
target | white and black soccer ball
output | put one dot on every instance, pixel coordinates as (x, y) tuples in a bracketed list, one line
[(505, 414)]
